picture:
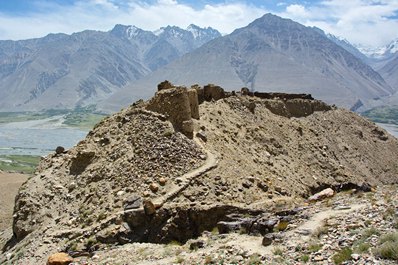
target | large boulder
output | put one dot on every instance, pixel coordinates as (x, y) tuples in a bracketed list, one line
[(59, 259)]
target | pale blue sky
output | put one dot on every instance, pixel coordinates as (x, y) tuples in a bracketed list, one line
[(366, 22)]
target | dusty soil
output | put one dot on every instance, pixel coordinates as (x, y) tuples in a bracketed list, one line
[(135, 178), (9, 185)]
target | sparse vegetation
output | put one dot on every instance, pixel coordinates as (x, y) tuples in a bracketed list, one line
[(370, 232), (82, 117), (214, 231), (389, 213), (362, 247), (254, 259), (174, 243), (281, 226), (277, 251), (342, 255), (19, 163), (385, 114), (388, 248), (305, 258), (314, 247)]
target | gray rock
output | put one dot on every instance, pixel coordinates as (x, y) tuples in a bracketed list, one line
[(267, 240), (263, 225), (133, 202), (59, 150), (202, 135), (197, 244)]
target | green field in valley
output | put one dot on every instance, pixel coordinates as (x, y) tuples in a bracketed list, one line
[(385, 114), (84, 118), (19, 163)]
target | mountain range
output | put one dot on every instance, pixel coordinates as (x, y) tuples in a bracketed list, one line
[(112, 69), (66, 71), (271, 54)]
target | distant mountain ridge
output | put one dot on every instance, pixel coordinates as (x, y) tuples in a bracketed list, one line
[(112, 69), (66, 71), (271, 54)]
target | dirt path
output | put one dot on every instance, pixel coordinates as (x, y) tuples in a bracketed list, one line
[(185, 180), (296, 236)]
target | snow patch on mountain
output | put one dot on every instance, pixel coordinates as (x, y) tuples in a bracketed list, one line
[(379, 52), (132, 31)]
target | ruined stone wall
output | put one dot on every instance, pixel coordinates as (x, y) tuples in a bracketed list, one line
[(282, 96), (174, 103), (213, 92), (295, 107), (194, 103)]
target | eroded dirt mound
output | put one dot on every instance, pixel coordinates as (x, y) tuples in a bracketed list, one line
[(137, 178), (264, 155)]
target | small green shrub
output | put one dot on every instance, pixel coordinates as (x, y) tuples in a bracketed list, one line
[(389, 213), (281, 226), (174, 243), (254, 259), (298, 248), (363, 247), (277, 251), (305, 258), (314, 247), (391, 237), (388, 248), (342, 255), (370, 232), (214, 231)]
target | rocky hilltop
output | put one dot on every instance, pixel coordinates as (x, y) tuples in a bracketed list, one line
[(192, 160)]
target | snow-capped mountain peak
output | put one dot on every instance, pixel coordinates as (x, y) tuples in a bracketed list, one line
[(132, 31), (393, 46), (195, 30), (379, 52), (129, 32)]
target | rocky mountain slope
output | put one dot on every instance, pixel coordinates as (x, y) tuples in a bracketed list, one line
[(65, 71), (390, 72), (187, 161), (345, 44), (271, 54)]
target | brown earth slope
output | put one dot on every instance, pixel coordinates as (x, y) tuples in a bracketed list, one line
[(9, 185), (138, 177)]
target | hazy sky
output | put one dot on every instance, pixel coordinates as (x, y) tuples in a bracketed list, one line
[(366, 22)]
